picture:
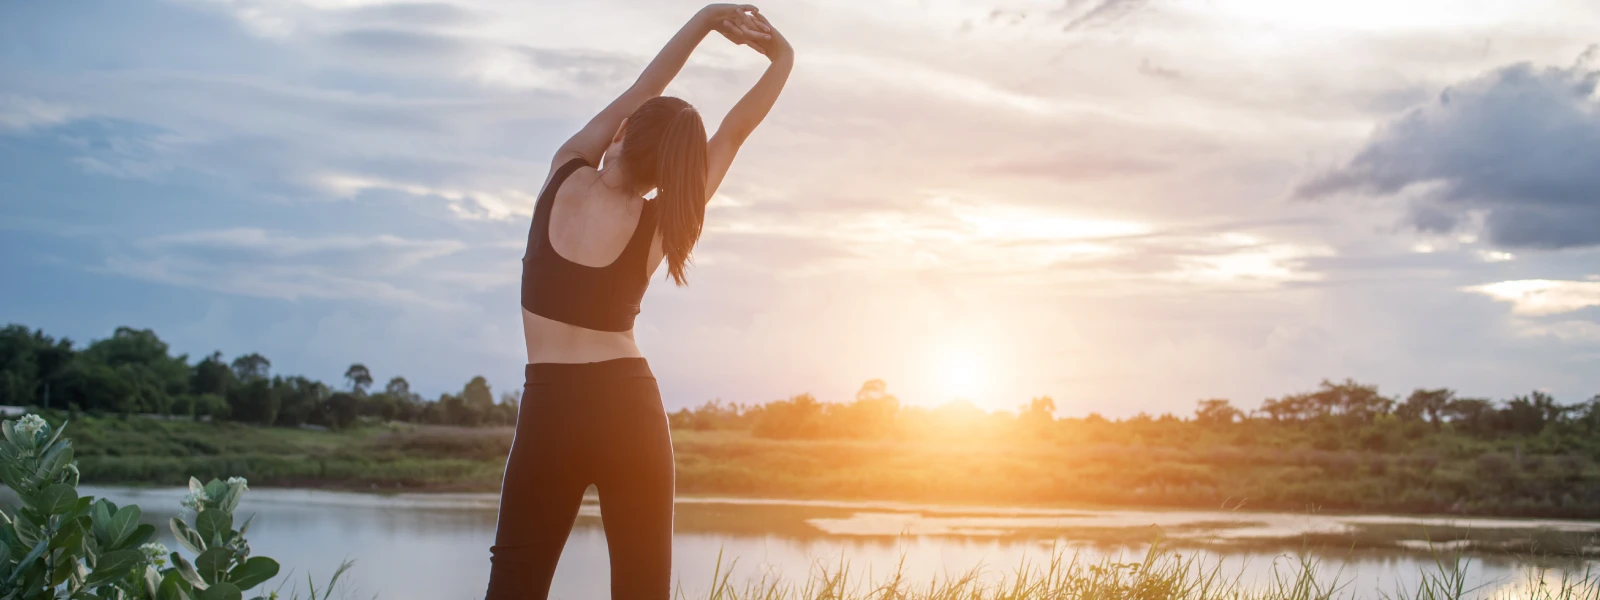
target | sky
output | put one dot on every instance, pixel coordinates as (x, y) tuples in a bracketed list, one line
[(1126, 205)]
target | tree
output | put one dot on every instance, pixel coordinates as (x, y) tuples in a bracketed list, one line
[(1041, 409), (211, 376), (1215, 411), (1426, 403), (254, 402), (872, 415), (299, 399), (92, 386), (798, 417), (29, 362), (477, 402), (251, 366), (358, 377), (342, 409), (1472, 415), (140, 360), (398, 387)]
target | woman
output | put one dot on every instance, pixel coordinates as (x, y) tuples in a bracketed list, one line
[(591, 412)]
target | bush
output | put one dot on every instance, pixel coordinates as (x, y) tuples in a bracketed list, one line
[(62, 545)]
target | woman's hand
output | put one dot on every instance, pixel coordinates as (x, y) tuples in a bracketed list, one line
[(737, 22), (774, 45)]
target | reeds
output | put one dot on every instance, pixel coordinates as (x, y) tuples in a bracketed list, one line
[(1163, 574)]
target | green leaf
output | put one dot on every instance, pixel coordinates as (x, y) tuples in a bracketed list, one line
[(8, 538), (221, 591), (152, 583), (230, 498), (27, 561), (61, 568), (213, 564), (113, 566), (81, 508), (186, 536), (195, 485), (213, 526), (55, 435), (103, 509), (70, 536), (9, 429), (56, 499), (187, 572), (251, 573), (28, 530), (122, 525), (172, 587), (140, 535), (246, 526), (53, 461), (14, 476)]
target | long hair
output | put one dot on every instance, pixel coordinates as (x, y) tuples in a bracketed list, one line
[(665, 148)]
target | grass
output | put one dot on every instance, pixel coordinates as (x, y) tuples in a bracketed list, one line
[(1022, 471), (1163, 574)]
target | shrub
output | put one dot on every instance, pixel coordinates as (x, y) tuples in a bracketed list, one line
[(60, 545)]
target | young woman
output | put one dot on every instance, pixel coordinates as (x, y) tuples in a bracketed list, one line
[(591, 412)]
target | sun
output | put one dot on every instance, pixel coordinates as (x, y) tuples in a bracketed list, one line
[(960, 373)]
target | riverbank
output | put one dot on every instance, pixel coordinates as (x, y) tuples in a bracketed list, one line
[(406, 457)]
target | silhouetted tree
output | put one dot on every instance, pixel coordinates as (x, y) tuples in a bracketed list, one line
[(358, 377), (1216, 411), (251, 366)]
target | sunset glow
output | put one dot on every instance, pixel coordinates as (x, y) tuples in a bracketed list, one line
[(1135, 203)]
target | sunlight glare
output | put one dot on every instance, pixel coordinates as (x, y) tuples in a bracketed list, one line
[(960, 372)]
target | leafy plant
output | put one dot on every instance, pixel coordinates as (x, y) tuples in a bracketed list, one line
[(59, 545)]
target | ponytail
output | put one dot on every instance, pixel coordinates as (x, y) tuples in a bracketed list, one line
[(666, 144), (681, 193)]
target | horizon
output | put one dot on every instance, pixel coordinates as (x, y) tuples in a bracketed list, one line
[(1127, 206)]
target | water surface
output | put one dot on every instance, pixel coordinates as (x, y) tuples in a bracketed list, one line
[(436, 546)]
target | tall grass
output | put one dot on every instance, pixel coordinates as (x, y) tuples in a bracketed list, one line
[(1163, 574)]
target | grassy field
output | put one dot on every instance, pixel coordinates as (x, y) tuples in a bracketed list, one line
[(407, 457)]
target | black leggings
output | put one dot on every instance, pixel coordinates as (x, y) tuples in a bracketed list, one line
[(580, 424)]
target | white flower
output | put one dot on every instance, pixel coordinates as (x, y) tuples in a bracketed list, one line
[(194, 499), (30, 425), (154, 549), (240, 481)]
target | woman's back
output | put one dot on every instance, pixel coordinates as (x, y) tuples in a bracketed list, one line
[(592, 248)]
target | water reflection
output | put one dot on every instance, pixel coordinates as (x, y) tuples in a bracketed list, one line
[(436, 546)]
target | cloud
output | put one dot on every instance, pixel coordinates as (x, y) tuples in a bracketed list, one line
[(1085, 14), (1159, 72), (272, 264), (1538, 297), (21, 113), (1512, 151)]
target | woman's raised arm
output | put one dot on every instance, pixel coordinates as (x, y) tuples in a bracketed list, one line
[(751, 109), (737, 22)]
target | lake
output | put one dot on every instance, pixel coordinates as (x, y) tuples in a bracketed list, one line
[(436, 546)]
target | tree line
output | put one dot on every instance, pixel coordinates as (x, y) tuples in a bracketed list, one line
[(133, 372), (1345, 415)]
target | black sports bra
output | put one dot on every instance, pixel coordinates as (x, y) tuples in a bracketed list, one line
[(601, 298)]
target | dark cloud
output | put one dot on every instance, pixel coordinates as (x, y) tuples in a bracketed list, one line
[(1519, 146)]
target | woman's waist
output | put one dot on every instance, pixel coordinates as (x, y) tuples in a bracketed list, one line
[(550, 341)]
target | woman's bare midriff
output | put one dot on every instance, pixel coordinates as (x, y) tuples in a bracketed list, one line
[(551, 341)]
